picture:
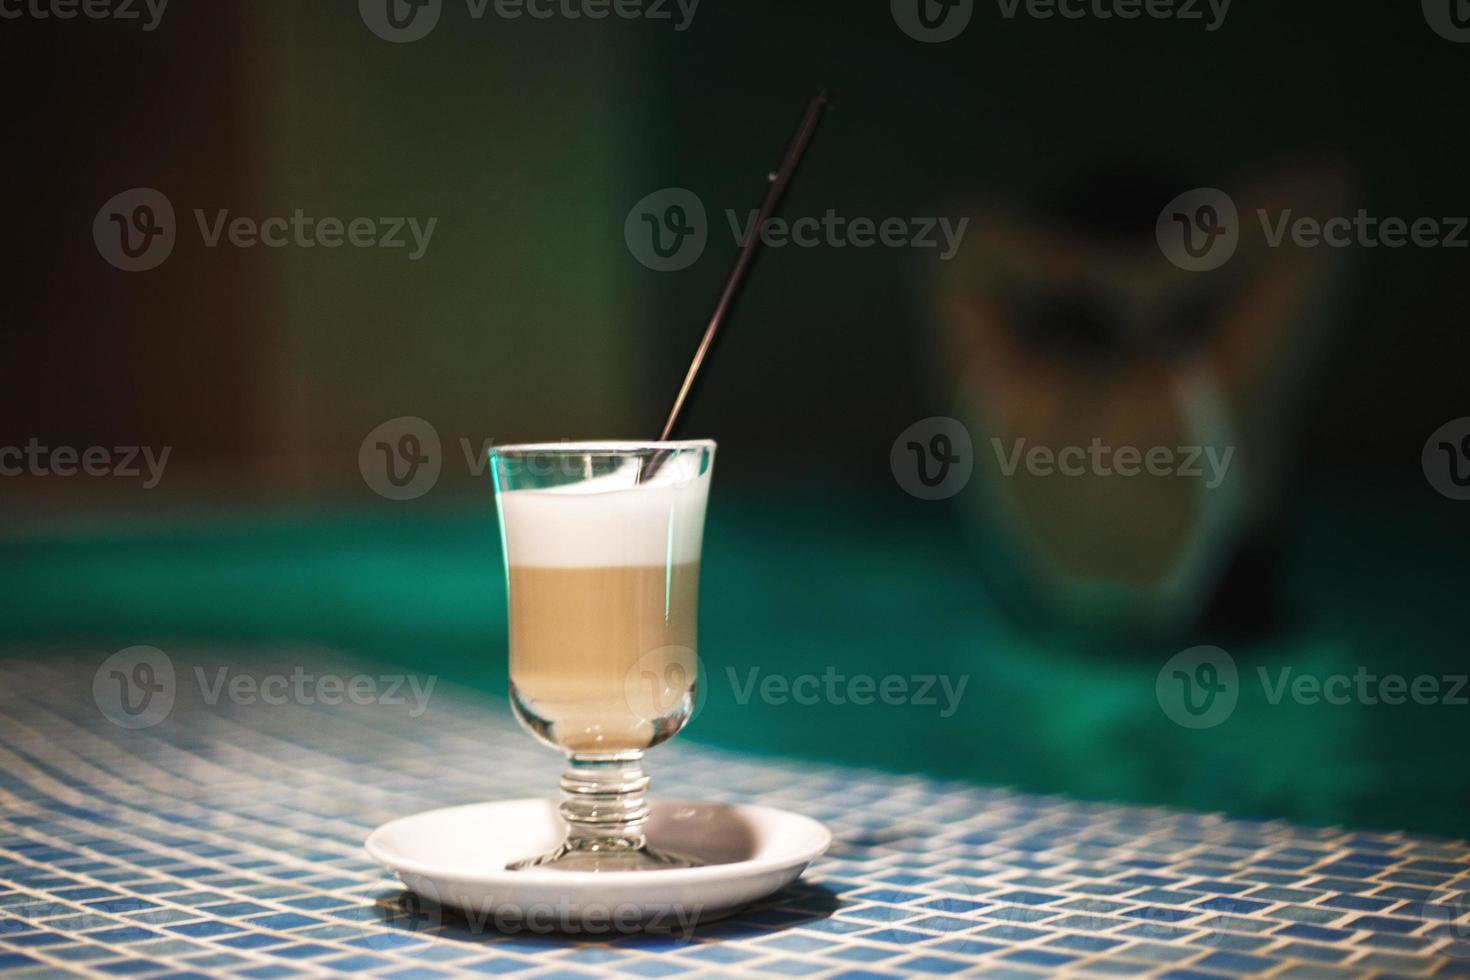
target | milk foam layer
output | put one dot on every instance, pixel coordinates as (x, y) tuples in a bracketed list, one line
[(608, 521)]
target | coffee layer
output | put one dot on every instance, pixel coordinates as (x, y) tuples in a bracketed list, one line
[(604, 656)]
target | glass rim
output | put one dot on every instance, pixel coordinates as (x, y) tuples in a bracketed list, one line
[(601, 447)]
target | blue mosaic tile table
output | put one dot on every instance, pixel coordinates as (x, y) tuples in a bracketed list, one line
[(227, 840)]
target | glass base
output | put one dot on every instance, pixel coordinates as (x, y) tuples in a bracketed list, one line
[(614, 858), (605, 810)]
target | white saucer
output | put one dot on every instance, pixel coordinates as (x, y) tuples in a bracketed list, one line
[(457, 857)]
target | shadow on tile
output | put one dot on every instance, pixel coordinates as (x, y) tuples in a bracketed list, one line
[(408, 915)]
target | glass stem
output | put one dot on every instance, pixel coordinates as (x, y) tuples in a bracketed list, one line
[(606, 804)]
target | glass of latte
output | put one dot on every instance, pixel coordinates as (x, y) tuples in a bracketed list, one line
[(602, 545)]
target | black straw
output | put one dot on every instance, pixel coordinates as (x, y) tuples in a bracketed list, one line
[(776, 184)]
